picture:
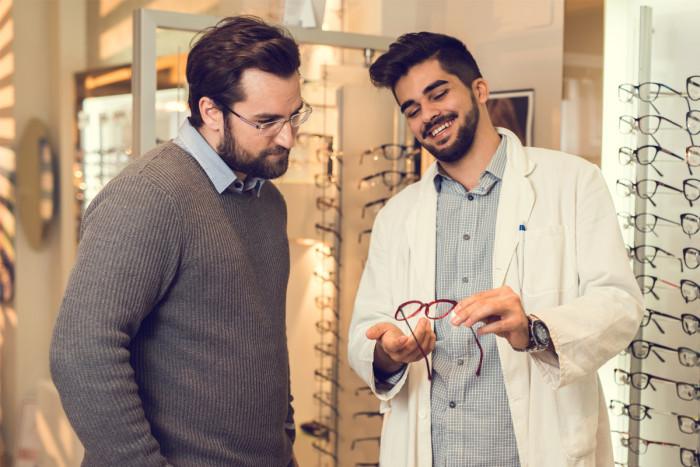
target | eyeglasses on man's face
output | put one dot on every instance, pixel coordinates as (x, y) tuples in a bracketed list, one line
[(434, 310), (269, 129)]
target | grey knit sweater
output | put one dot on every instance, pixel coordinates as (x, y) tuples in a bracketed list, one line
[(170, 347)]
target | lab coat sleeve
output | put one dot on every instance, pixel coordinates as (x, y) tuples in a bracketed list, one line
[(593, 327), (373, 304)]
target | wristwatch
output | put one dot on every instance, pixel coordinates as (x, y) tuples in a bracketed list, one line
[(539, 335)]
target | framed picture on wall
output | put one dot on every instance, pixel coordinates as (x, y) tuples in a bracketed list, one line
[(513, 110)]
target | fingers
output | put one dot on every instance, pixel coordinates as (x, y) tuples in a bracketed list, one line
[(499, 309), (400, 347)]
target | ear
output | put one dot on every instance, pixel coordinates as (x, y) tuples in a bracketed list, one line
[(481, 90), (212, 115)]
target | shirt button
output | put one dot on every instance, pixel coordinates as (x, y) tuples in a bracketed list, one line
[(460, 362), (452, 404), (465, 280), (470, 197), (466, 237)]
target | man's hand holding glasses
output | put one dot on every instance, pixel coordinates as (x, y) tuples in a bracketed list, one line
[(394, 349)]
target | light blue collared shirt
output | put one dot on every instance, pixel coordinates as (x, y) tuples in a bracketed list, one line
[(220, 174), (471, 420)]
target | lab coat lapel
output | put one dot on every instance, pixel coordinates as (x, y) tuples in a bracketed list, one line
[(514, 206), (420, 228)]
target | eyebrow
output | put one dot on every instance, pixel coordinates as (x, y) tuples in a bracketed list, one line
[(427, 89), (269, 116)]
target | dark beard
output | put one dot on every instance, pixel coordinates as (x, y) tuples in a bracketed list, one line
[(240, 160), (465, 135)]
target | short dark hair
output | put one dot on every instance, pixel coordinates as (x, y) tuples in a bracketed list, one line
[(222, 53), (415, 48)]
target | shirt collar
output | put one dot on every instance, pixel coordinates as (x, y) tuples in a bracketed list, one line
[(220, 174), (496, 167)]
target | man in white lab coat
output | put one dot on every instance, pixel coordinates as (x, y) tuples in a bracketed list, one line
[(526, 241)]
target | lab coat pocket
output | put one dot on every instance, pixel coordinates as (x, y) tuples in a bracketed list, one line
[(577, 417), (548, 260)]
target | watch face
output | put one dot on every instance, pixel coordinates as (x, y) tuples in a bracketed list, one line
[(540, 332)]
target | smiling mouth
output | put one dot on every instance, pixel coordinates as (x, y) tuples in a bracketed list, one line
[(438, 129)]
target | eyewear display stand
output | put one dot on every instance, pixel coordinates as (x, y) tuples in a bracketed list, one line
[(657, 424)]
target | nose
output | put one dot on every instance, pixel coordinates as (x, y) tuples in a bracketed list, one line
[(429, 112), (287, 136)]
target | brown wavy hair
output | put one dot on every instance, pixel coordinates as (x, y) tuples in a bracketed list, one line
[(222, 53)]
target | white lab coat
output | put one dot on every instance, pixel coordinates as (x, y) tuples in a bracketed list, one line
[(576, 278)]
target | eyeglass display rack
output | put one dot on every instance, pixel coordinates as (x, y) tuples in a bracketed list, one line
[(663, 201), (328, 182), (378, 173)]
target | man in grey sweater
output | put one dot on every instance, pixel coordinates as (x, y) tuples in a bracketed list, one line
[(169, 347)]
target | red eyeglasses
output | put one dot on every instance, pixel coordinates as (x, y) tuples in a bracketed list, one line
[(437, 309)]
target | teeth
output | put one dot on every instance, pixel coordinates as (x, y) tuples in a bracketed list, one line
[(440, 129)]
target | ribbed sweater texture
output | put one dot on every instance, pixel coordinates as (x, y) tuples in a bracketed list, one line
[(169, 347)]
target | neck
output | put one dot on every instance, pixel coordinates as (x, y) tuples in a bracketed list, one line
[(469, 168)]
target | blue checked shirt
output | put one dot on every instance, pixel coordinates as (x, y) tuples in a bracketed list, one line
[(471, 420)]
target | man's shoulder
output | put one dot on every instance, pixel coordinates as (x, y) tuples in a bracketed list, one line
[(562, 162)]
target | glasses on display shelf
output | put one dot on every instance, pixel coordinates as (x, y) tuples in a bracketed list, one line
[(646, 254), (327, 278), (326, 326), (689, 290), (646, 188), (326, 181), (646, 155), (690, 458), (646, 284), (317, 429), (640, 380), (692, 122), (391, 178), (647, 92), (374, 206), (690, 223), (321, 229), (649, 125), (326, 302), (327, 375), (641, 349), (327, 349), (640, 445), (691, 257), (360, 440), (689, 323), (692, 87), (366, 464), (368, 414), (362, 234), (324, 252), (325, 398), (272, 128), (636, 412), (688, 425), (391, 152), (315, 139), (434, 310), (325, 203), (692, 157), (644, 222), (325, 451)]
